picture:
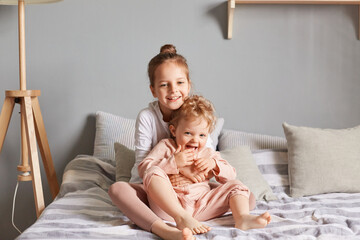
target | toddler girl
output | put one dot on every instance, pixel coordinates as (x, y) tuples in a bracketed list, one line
[(190, 127)]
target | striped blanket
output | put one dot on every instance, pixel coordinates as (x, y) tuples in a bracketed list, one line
[(83, 209)]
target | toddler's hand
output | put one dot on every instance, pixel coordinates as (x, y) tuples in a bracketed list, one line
[(184, 157), (204, 164), (194, 175)]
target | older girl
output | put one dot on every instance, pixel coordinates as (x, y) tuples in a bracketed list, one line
[(170, 84)]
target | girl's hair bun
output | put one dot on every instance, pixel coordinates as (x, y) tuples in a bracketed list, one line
[(168, 48)]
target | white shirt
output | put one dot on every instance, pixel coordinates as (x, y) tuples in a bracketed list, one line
[(150, 128)]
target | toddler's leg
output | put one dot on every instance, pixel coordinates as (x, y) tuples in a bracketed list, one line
[(161, 192), (252, 201), (236, 195), (216, 202), (239, 206)]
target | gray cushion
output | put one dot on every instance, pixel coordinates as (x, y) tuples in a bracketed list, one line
[(125, 159), (247, 171), (323, 160)]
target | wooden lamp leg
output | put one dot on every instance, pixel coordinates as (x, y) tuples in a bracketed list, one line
[(24, 166), (44, 148), (5, 117), (26, 108)]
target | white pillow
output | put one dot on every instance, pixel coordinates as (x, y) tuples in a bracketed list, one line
[(232, 138), (110, 129)]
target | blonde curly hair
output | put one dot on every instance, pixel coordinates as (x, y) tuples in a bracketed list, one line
[(195, 106)]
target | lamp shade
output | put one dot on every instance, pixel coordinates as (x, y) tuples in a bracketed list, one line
[(15, 2)]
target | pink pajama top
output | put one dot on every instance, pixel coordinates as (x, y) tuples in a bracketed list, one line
[(162, 155)]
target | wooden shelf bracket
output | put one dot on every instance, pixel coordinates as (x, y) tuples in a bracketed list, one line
[(232, 5)]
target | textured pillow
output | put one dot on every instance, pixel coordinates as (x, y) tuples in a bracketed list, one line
[(323, 160), (110, 129), (247, 172), (125, 159), (216, 132), (273, 165), (232, 138)]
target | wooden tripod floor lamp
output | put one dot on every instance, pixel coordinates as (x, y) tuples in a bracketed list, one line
[(33, 132)]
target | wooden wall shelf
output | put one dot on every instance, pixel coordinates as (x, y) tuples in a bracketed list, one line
[(232, 4)]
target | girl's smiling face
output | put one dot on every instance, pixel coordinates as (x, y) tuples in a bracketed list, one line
[(171, 87)]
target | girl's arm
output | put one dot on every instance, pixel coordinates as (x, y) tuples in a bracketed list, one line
[(143, 142)]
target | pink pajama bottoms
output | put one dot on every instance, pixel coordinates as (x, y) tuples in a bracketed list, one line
[(199, 199)]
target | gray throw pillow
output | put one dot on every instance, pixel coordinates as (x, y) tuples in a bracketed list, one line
[(247, 171), (323, 160), (125, 159)]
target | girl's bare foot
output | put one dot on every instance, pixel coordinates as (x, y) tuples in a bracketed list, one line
[(187, 221), (248, 221)]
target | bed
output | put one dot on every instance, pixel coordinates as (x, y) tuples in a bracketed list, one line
[(83, 209)]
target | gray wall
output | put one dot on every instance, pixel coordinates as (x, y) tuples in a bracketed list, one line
[(292, 63)]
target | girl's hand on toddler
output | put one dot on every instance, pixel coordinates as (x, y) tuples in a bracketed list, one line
[(179, 180), (184, 157)]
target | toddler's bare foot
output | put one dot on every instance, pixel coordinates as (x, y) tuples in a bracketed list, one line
[(187, 221), (187, 234), (246, 222)]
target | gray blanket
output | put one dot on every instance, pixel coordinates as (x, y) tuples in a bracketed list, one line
[(83, 210)]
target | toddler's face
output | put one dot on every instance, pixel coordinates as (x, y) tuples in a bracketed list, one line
[(171, 86), (191, 133)]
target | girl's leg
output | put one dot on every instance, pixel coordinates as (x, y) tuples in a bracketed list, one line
[(131, 200), (161, 192), (239, 206)]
